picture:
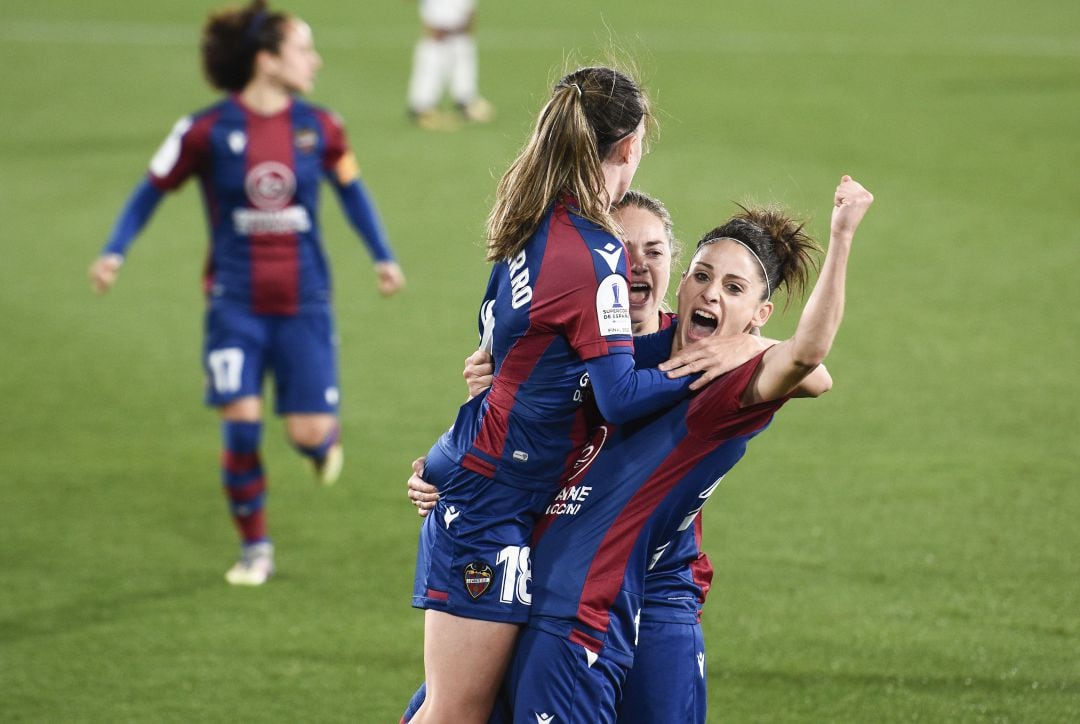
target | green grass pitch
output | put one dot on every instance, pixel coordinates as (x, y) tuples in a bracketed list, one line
[(905, 549)]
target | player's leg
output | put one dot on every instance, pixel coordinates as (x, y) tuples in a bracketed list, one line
[(233, 361), (245, 486), (431, 64), (472, 577), (667, 682), (303, 355), (318, 438), (464, 76), (464, 662)]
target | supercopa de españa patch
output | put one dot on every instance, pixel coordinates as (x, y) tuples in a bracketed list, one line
[(478, 578), (613, 306)]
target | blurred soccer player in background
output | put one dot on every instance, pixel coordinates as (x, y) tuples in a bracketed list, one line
[(445, 58), (260, 154)]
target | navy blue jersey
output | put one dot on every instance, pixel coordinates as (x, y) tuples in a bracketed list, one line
[(561, 301), (260, 178), (625, 502)]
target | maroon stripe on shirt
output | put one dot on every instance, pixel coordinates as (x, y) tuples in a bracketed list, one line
[(275, 258), (518, 365)]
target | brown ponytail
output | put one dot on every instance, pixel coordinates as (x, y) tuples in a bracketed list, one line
[(590, 110)]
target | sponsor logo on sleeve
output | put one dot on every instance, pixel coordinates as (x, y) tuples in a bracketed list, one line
[(612, 311)]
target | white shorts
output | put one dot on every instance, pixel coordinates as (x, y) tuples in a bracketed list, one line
[(446, 14)]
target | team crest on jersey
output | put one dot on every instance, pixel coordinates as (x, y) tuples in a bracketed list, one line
[(305, 140), (270, 185), (478, 578), (612, 308)]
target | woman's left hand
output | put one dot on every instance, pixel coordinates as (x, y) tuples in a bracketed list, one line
[(421, 494), (391, 278)]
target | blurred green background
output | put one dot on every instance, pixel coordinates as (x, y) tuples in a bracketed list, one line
[(905, 549)]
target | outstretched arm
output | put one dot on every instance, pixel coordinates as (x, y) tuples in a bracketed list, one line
[(785, 365), (361, 212), (137, 211)]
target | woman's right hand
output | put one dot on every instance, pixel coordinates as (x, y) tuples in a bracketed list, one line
[(103, 272), (479, 372)]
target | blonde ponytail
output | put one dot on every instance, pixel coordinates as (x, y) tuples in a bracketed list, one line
[(589, 111)]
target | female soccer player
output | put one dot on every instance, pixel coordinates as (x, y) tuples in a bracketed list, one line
[(674, 591), (445, 57), (260, 154), (590, 559), (559, 328), (670, 651)]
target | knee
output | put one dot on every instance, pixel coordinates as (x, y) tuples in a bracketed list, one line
[(309, 430)]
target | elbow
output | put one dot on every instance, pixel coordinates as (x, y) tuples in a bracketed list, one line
[(809, 357), (613, 412), (616, 416)]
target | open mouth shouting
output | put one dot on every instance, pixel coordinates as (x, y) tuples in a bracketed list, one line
[(702, 324), (640, 293)]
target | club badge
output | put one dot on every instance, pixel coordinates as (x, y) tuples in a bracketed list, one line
[(478, 578), (305, 140)]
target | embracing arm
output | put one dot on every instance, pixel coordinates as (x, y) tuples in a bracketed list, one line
[(623, 393), (787, 364)]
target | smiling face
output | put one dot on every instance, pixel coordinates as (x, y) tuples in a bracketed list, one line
[(295, 64), (721, 293), (650, 265)]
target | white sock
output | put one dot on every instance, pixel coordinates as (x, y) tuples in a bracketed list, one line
[(431, 63), (463, 77)]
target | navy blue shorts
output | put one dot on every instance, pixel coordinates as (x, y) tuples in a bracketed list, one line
[(473, 557), (667, 682), (241, 347), (552, 679)]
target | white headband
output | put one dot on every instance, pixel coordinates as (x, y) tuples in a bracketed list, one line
[(768, 286)]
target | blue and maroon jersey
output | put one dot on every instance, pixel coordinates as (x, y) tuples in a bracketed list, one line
[(559, 302), (677, 584), (260, 178), (625, 503), (676, 587)]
